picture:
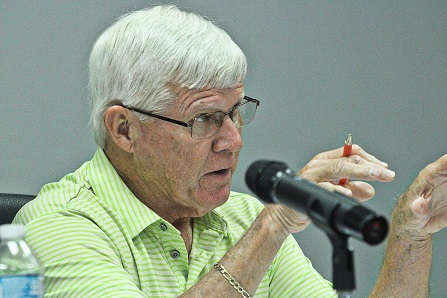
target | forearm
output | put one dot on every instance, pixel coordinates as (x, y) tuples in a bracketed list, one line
[(406, 268), (419, 213), (247, 261)]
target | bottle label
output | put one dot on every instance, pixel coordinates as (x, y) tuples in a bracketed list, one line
[(29, 286)]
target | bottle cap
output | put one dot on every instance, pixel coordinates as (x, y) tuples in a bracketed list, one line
[(12, 231)]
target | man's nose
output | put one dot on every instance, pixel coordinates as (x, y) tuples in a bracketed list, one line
[(229, 136)]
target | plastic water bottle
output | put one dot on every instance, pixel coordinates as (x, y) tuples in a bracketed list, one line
[(20, 270)]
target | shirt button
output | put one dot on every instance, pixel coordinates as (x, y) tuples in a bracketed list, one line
[(163, 227), (175, 254)]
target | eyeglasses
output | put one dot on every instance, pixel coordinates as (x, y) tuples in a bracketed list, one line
[(208, 124)]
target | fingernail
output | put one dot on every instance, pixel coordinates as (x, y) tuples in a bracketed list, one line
[(375, 172), (389, 174), (347, 192)]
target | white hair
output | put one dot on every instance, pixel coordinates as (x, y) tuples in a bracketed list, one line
[(136, 59)]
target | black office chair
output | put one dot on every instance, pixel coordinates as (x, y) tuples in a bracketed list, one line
[(10, 204)]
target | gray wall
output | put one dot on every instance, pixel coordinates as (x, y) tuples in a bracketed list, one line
[(322, 69)]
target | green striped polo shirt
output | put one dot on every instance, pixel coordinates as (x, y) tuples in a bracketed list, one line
[(96, 239)]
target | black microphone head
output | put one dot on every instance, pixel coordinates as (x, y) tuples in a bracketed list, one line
[(259, 177), (373, 227)]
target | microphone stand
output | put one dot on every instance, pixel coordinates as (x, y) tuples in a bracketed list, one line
[(342, 265), (343, 277)]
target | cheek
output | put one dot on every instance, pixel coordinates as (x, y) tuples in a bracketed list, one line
[(185, 160), (179, 158)]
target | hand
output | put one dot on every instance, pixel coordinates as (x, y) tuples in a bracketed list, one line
[(287, 219), (327, 167), (422, 210)]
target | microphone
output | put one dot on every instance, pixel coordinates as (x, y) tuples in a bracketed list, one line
[(275, 182)]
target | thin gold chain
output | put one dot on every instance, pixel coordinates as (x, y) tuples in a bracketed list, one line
[(232, 281)]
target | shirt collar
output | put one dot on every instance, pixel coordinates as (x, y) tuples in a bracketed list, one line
[(111, 189)]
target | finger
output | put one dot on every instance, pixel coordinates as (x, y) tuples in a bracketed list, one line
[(356, 150), (432, 176), (353, 167), (436, 172), (361, 191), (333, 187), (358, 190), (357, 167)]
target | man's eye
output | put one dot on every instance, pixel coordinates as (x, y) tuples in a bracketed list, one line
[(203, 118)]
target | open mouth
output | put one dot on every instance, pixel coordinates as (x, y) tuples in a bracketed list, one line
[(223, 172)]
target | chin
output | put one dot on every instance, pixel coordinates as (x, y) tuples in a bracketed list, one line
[(214, 199)]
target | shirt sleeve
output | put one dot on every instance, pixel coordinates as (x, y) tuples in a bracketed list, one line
[(292, 274), (80, 259)]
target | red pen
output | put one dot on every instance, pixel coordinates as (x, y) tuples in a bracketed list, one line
[(347, 149)]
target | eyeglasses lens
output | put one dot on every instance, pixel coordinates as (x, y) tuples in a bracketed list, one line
[(208, 125)]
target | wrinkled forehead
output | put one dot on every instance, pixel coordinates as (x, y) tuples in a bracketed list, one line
[(214, 98)]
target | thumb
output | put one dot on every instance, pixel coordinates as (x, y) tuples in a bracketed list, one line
[(420, 207)]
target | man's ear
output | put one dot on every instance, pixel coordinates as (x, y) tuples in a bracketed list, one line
[(118, 124)]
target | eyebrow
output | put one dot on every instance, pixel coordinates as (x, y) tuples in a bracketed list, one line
[(203, 110), (219, 110)]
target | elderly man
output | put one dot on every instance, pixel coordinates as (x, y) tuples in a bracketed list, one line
[(152, 214)]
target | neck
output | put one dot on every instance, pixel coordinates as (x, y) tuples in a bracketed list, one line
[(180, 218), (185, 226)]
